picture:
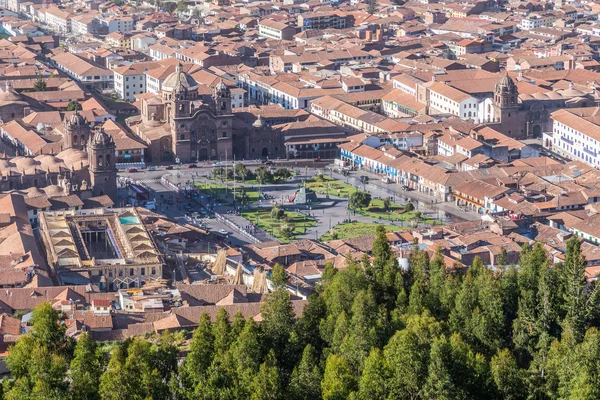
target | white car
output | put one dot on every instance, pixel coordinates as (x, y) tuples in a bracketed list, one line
[(223, 232), (217, 164)]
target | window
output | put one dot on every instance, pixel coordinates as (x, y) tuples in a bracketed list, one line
[(131, 272), (224, 134), (143, 271), (182, 137)]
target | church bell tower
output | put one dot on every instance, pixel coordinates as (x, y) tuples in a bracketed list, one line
[(103, 171)]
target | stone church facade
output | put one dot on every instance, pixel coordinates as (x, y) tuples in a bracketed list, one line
[(183, 126), (523, 116)]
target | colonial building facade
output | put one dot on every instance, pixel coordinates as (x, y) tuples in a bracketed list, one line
[(182, 125)]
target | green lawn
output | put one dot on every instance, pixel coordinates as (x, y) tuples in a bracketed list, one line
[(333, 187), (395, 213), (355, 229), (219, 190), (262, 218)]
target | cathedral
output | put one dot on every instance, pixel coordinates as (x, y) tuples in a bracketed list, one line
[(186, 124), (85, 166), (523, 116)]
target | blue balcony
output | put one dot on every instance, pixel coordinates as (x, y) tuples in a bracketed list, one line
[(564, 139), (591, 152)]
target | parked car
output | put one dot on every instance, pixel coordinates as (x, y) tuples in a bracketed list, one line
[(192, 166), (364, 178), (217, 164), (169, 167), (223, 232), (152, 168), (130, 170)]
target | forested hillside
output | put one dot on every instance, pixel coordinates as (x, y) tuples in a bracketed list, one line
[(370, 332)]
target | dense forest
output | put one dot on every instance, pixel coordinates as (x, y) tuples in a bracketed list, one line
[(370, 332)]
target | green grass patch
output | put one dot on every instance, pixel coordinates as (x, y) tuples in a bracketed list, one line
[(217, 189), (355, 229), (333, 187), (262, 218)]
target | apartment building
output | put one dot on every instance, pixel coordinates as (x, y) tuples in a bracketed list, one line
[(323, 20), (131, 79), (118, 40), (117, 23), (58, 20), (86, 24), (444, 99), (533, 21), (276, 30), (84, 71), (354, 118), (575, 135)]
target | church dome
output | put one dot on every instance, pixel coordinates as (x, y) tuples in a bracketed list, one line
[(24, 163), (570, 93), (9, 96), (53, 191), (258, 123), (553, 95), (73, 158), (34, 192), (179, 80), (77, 119), (103, 139)]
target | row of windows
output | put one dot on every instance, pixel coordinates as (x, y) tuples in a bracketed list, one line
[(131, 272)]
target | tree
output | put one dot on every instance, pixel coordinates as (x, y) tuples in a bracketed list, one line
[(114, 382), (387, 203), (74, 106), (507, 376), (283, 174), (221, 333), (243, 358), (277, 212), (338, 380), (359, 199), (305, 383), (372, 7), (278, 277), (201, 352), (287, 230), (267, 383), (372, 385), (439, 384), (408, 207), (407, 354), (40, 84), (579, 301), (263, 175), (181, 6), (361, 335), (278, 319), (85, 370), (240, 169)]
